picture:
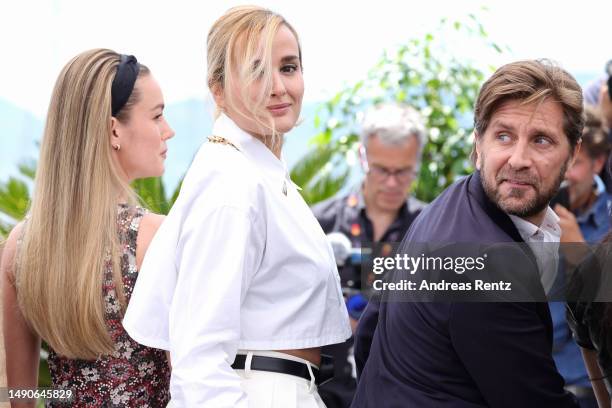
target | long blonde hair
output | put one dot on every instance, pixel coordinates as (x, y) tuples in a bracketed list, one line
[(71, 234), (233, 46)]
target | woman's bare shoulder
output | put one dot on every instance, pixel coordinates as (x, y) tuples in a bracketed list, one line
[(149, 225), (8, 250)]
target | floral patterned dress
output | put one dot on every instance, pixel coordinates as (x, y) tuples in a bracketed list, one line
[(135, 375)]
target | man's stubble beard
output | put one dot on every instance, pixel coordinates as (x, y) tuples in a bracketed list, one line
[(528, 209)]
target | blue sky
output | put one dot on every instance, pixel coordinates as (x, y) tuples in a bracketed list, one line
[(341, 41)]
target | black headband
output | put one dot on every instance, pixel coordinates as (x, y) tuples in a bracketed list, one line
[(123, 84)]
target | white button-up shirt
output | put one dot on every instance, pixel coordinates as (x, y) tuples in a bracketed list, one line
[(239, 263), (544, 242)]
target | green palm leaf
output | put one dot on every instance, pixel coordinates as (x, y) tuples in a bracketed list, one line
[(152, 194), (325, 186), (14, 198), (28, 169), (311, 164)]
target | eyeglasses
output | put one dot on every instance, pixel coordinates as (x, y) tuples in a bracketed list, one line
[(382, 173)]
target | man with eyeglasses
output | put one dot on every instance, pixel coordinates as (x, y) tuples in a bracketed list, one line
[(379, 210)]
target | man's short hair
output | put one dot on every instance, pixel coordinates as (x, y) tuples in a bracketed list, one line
[(394, 124), (595, 141), (532, 81)]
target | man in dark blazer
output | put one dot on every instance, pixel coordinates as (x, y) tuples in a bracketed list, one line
[(528, 122)]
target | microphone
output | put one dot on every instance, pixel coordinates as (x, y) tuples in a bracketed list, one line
[(344, 252), (341, 246), (349, 261)]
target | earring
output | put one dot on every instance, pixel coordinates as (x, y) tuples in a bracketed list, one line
[(117, 147)]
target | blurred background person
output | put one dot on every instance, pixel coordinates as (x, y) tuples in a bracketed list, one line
[(588, 216), (379, 209), (587, 219), (598, 94), (68, 271)]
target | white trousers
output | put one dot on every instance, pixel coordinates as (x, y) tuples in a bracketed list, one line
[(275, 390)]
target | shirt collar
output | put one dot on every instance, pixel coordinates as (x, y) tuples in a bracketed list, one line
[(529, 232), (598, 212), (600, 187), (252, 147)]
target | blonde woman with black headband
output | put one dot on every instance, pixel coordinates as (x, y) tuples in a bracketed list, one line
[(68, 271), (241, 285)]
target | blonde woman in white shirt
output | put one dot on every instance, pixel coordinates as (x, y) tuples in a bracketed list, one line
[(240, 274)]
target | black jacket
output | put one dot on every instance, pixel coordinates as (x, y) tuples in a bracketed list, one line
[(455, 354)]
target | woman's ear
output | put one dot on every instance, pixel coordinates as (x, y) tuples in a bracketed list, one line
[(218, 95), (115, 134)]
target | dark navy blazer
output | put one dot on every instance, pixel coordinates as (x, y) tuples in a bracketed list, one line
[(452, 354)]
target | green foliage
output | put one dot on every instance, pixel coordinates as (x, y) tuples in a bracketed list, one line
[(153, 194), (422, 73), (15, 198), (314, 173)]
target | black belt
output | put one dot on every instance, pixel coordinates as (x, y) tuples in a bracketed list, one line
[(280, 365)]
